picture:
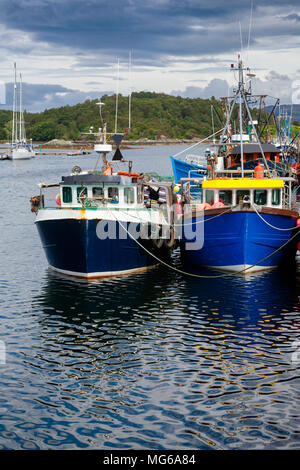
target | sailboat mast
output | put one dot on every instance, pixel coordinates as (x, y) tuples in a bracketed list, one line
[(14, 136), (22, 124), (21, 132)]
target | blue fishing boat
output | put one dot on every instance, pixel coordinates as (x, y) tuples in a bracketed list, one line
[(89, 233), (247, 225), (191, 166), (247, 214), (101, 223)]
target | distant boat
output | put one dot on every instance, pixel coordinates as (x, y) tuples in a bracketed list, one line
[(192, 166), (78, 152), (20, 149)]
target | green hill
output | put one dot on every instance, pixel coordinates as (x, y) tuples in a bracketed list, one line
[(153, 115)]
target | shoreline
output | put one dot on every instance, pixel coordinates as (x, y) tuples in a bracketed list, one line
[(88, 147)]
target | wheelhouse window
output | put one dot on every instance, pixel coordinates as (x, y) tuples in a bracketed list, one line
[(209, 196), (240, 194), (67, 194), (260, 197), (276, 197), (139, 195), (97, 192), (129, 195), (81, 192), (113, 195), (225, 197)]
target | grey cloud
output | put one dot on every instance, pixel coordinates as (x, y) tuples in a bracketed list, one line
[(216, 87), (274, 85), (152, 28), (36, 98), (292, 17)]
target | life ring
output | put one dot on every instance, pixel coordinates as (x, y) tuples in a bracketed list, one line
[(126, 173)]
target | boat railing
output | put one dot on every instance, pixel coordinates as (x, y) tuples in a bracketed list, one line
[(287, 196), (197, 172), (234, 173), (196, 160), (191, 190), (49, 195)]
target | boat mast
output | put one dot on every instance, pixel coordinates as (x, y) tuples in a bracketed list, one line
[(212, 123), (241, 93), (130, 93), (14, 136), (117, 96), (102, 147), (22, 130)]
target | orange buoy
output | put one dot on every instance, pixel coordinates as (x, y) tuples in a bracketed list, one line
[(259, 171), (126, 173), (108, 170)]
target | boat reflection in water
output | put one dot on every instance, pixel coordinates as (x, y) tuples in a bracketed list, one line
[(243, 299), (160, 360)]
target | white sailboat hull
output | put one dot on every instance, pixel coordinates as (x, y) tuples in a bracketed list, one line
[(21, 154), (20, 150)]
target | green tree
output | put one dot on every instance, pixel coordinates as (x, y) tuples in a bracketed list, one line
[(43, 132)]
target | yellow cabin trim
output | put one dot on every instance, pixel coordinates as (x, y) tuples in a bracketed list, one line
[(244, 183)]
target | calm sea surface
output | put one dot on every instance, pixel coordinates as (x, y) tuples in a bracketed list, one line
[(149, 361)]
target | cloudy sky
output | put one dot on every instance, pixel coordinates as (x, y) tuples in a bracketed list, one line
[(67, 50)]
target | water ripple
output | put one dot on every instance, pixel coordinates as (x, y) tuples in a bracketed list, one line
[(155, 361)]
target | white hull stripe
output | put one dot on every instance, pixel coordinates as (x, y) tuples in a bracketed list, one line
[(240, 267), (138, 216), (99, 275)]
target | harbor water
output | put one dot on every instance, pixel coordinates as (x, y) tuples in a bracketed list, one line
[(157, 360)]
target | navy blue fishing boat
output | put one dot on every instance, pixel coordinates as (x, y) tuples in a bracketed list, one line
[(104, 223)]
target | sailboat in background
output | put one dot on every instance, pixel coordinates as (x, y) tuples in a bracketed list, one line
[(20, 149)]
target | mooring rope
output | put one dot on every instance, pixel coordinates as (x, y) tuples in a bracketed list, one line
[(180, 271), (265, 221), (179, 225)]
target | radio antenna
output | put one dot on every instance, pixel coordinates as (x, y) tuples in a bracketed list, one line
[(249, 32)]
